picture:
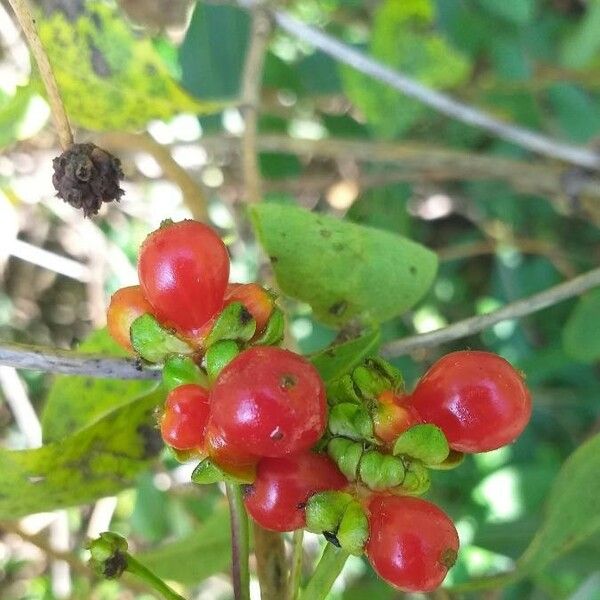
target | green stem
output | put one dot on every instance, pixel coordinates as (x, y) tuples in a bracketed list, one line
[(240, 543), (139, 570), (330, 566), (296, 568)]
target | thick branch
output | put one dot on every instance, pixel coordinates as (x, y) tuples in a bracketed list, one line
[(515, 310), (69, 362), (27, 22), (441, 102)]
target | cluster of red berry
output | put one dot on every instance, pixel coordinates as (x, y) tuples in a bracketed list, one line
[(347, 459)]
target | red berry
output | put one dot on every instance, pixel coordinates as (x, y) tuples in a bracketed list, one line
[(270, 401), (227, 455), (184, 420), (393, 416), (477, 399), (183, 269), (126, 305), (277, 498), (258, 301), (412, 543)]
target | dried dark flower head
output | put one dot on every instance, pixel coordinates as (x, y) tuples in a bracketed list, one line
[(85, 176)]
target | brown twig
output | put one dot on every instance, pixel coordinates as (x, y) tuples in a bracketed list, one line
[(270, 563), (514, 310), (193, 195), (250, 97), (27, 22)]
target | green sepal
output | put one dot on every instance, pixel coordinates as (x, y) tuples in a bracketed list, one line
[(218, 356), (342, 390), (208, 472), (234, 323), (351, 421), (346, 454), (108, 554), (272, 334), (375, 376), (454, 459), (425, 442), (416, 480), (181, 370), (381, 471), (153, 342), (353, 530), (324, 511)]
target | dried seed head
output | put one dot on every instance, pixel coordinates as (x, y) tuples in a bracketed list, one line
[(85, 176)]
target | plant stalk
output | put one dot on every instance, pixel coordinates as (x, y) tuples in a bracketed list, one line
[(139, 570), (240, 543), (296, 566), (329, 567)]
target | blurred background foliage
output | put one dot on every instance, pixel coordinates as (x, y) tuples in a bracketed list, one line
[(137, 75)]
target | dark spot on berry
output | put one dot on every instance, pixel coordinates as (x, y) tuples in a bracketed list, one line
[(115, 565), (276, 434), (325, 233), (287, 381), (332, 538), (245, 316), (339, 308), (412, 269), (448, 557), (247, 490), (301, 505)]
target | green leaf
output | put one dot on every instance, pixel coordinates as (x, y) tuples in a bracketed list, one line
[(97, 461), (109, 76), (518, 12), (12, 112), (582, 45), (581, 334), (76, 402), (572, 516), (335, 361), (213, 51), (203, 553), (343, 270), (403, 39)]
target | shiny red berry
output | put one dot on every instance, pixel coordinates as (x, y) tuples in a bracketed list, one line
[(126, 305), (270, 402), (183, 269), (477, 399), (184, 420), (412, 543), (277, 498)]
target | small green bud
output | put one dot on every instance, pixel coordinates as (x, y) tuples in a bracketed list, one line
[(353, 531), (208, 472), (108, 554), (218, 356), (346, 454), (234, 323), (181, 370), (375, 376), (274, 329), (381, 471), (453, 460), (416, 481), (425, 442), (153, 342), (342, 390), (351, 421), (324, 511)]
